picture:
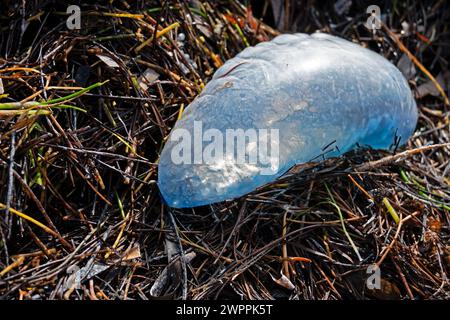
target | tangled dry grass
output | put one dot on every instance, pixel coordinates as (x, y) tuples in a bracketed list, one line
[(84, 115)]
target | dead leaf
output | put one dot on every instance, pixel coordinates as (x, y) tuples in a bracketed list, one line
[(77, 276), (284, 282), (428, 88), (388, 291), (278, 13), (148, 78), (168, 275), (406, 66), (434, 224), (132, 253), (108, 61), (342, 6)]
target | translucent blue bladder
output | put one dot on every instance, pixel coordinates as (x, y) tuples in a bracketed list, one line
[(317, 95)]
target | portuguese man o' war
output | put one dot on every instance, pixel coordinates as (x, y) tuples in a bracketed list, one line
[(295, 99)]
